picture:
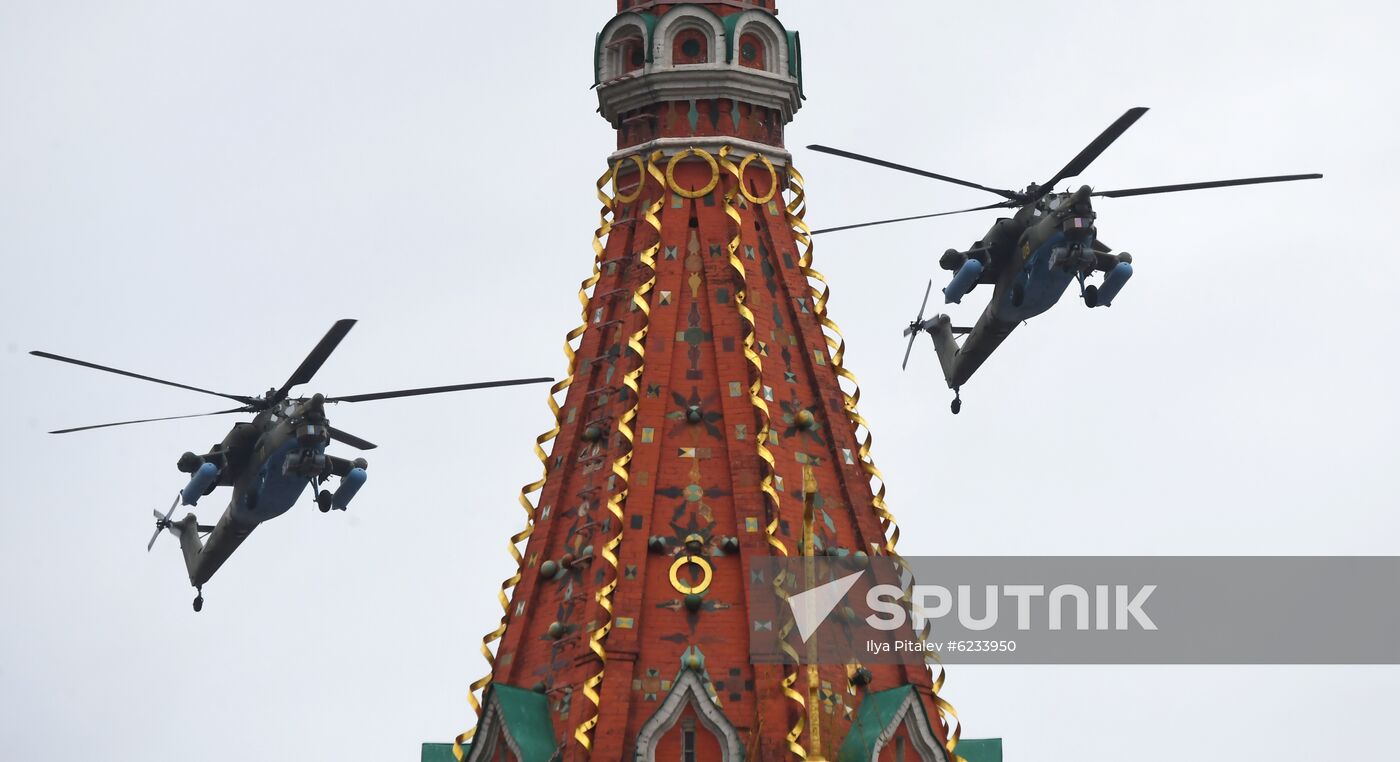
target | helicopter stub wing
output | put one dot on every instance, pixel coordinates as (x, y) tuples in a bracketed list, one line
[(1104, 262)]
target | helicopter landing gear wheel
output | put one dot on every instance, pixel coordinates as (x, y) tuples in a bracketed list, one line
[(1018, 295), (1091, 296), (956, 405), (199, 600), (323, 501)]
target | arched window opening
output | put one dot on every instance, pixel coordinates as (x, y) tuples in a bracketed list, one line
[(691, 47), (752, 52), (631, 54)]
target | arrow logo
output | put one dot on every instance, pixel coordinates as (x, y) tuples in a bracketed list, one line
[(811, 607)]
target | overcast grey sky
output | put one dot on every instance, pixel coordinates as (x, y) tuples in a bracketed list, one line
[(197, 190)]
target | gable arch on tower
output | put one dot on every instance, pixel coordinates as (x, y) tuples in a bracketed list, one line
[(767, 30), (689, 692), (611, 56), (688, 18), (889, 718), (515, 724)]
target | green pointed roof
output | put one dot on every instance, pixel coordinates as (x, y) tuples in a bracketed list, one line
[(525, 715), (879, 709), (876, 713)]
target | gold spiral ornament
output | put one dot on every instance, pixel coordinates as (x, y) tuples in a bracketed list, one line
[(583, 733), (671, 173), (796, 211), (479, 686), (766, 485)]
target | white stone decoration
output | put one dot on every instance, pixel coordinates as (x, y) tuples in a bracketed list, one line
[(681, 18), (688, 690), (622, 27), (911, 715)]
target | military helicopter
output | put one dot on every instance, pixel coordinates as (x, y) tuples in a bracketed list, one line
[(1029, 258), (268, 461)]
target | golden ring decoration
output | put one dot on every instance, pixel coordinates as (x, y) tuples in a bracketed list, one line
[(685, 589), (671, 173), (641, 179), (772, 173)]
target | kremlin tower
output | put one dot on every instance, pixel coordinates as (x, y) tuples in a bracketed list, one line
[(706, 421)]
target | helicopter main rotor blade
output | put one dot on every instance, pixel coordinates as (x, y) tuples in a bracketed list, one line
[(999, 205), (129, 374), (1091, 152), (313, 362), (151, 420), (1008, 194), (438, 390), (1198, 186), (351, 439)]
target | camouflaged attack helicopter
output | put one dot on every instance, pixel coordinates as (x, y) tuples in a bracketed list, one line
[(1029, 258), (268, 461)]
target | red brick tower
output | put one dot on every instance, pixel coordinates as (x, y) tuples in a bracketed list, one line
[(702, 420)]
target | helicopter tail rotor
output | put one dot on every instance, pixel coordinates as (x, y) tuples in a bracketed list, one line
[(163, 523), (912, 331)]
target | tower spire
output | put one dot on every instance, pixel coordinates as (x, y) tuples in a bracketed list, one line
[(703, 428)]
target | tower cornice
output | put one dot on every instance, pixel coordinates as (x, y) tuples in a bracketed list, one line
[(696, 82), (739, 149)]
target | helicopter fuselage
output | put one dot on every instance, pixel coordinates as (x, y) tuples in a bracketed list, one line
[(289, 453), (268, 462), (1031, 258)]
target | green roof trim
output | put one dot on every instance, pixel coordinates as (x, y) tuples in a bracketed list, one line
[(876, 713), (525, 717), (980, 749), (440, 752), (794, 43), (795, 62), (648, 21)]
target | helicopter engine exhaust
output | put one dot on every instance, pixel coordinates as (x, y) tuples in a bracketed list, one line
[(1112, 284), (963, 282), (203, 479), (349, 485)]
